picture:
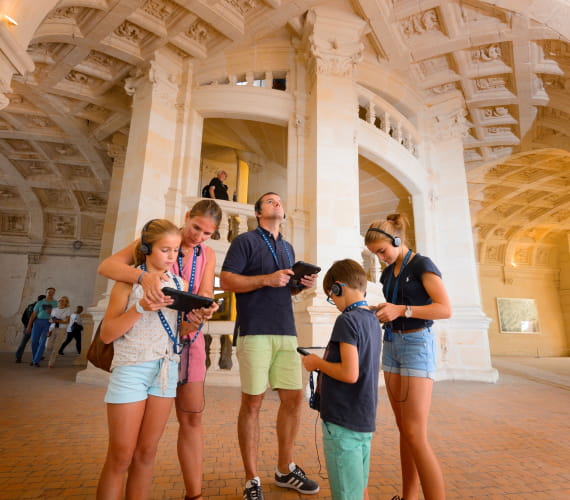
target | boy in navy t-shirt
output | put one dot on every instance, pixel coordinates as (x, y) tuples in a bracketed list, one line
[(348, 381)]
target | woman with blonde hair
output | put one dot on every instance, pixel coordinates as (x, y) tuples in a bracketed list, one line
[(415, 297), (196, 263), (57, 334)]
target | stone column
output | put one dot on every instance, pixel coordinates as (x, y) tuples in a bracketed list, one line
[(150, 152), (327, 205), (444, 233), (565, 287), (94, 314), (148, 171), (13, 59)]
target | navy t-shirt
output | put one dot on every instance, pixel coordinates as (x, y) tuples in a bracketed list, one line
[(411, 291), (267, 310), (353, 406)]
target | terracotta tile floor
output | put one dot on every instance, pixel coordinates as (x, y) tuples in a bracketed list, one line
[(509, 440)]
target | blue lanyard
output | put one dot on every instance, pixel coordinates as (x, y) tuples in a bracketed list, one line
[(193, 271), (165, 324), (354, 305), (395, 290), (190, 287), (272, 250)]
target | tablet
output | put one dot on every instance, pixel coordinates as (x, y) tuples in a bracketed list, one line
[(301, 269), (186, 301)]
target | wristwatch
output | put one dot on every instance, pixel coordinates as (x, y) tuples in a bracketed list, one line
[(139, 307), (408, 313)]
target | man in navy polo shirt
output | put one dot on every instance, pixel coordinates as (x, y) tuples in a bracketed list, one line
[(257, 268)]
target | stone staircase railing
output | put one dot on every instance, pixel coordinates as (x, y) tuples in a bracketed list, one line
[(387, 119)]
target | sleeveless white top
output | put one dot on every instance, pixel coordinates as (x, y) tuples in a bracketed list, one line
[(147, 340)]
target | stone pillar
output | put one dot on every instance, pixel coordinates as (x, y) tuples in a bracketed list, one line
[(444, 233), (328, 208), (565, 287), (13, 59), (93, 315), (185, 183), (149, 162), (148, 172)]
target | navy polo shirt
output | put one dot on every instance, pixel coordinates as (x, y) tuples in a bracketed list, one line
[(267, 310)]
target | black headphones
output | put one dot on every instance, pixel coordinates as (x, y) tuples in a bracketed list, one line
[(396, 240), (146, 248), (336, 287)]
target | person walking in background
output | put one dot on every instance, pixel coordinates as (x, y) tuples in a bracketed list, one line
[(415, 297), (196, 263), (257, 268), (26, 315), (59, 321), (74, 330), (144, 371), (38, 325), (348, 381)]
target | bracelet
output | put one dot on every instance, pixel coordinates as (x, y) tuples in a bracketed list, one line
[(139, 307), (139, 279)]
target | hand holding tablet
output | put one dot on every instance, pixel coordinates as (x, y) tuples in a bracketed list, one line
[(302, 269), (186, 301)]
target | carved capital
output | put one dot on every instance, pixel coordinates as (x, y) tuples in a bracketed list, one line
[(334, 57), (334, 41), (164, 84), (118, 153), (452, 125)]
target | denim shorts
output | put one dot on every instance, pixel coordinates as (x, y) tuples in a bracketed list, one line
[(268, 359), (132, 383), (410, 354)]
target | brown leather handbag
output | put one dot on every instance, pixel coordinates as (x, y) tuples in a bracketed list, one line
[(99, 353)]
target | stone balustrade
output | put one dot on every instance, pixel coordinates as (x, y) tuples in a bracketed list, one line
[(276, 80), (387, 119)]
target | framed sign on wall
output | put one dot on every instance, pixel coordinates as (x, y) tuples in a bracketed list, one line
[(517, 315)]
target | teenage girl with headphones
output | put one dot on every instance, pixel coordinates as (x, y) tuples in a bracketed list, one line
[(196, 263), (415, 296), (144, 375)]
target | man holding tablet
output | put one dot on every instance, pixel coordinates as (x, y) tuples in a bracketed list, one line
[(257, 268)]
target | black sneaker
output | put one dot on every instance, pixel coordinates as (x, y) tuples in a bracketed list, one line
[(297, 480), (253, 491)]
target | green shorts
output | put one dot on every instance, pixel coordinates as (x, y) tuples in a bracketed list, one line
[(268, 360), (347, 454)]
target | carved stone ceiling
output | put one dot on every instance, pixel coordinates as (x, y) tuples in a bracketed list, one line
[(512, 73)]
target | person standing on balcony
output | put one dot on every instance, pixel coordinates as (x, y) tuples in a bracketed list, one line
[(257, 268), (196, 264), (217, 188)]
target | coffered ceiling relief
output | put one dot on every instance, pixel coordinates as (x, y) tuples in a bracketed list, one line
[(511, 72)]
